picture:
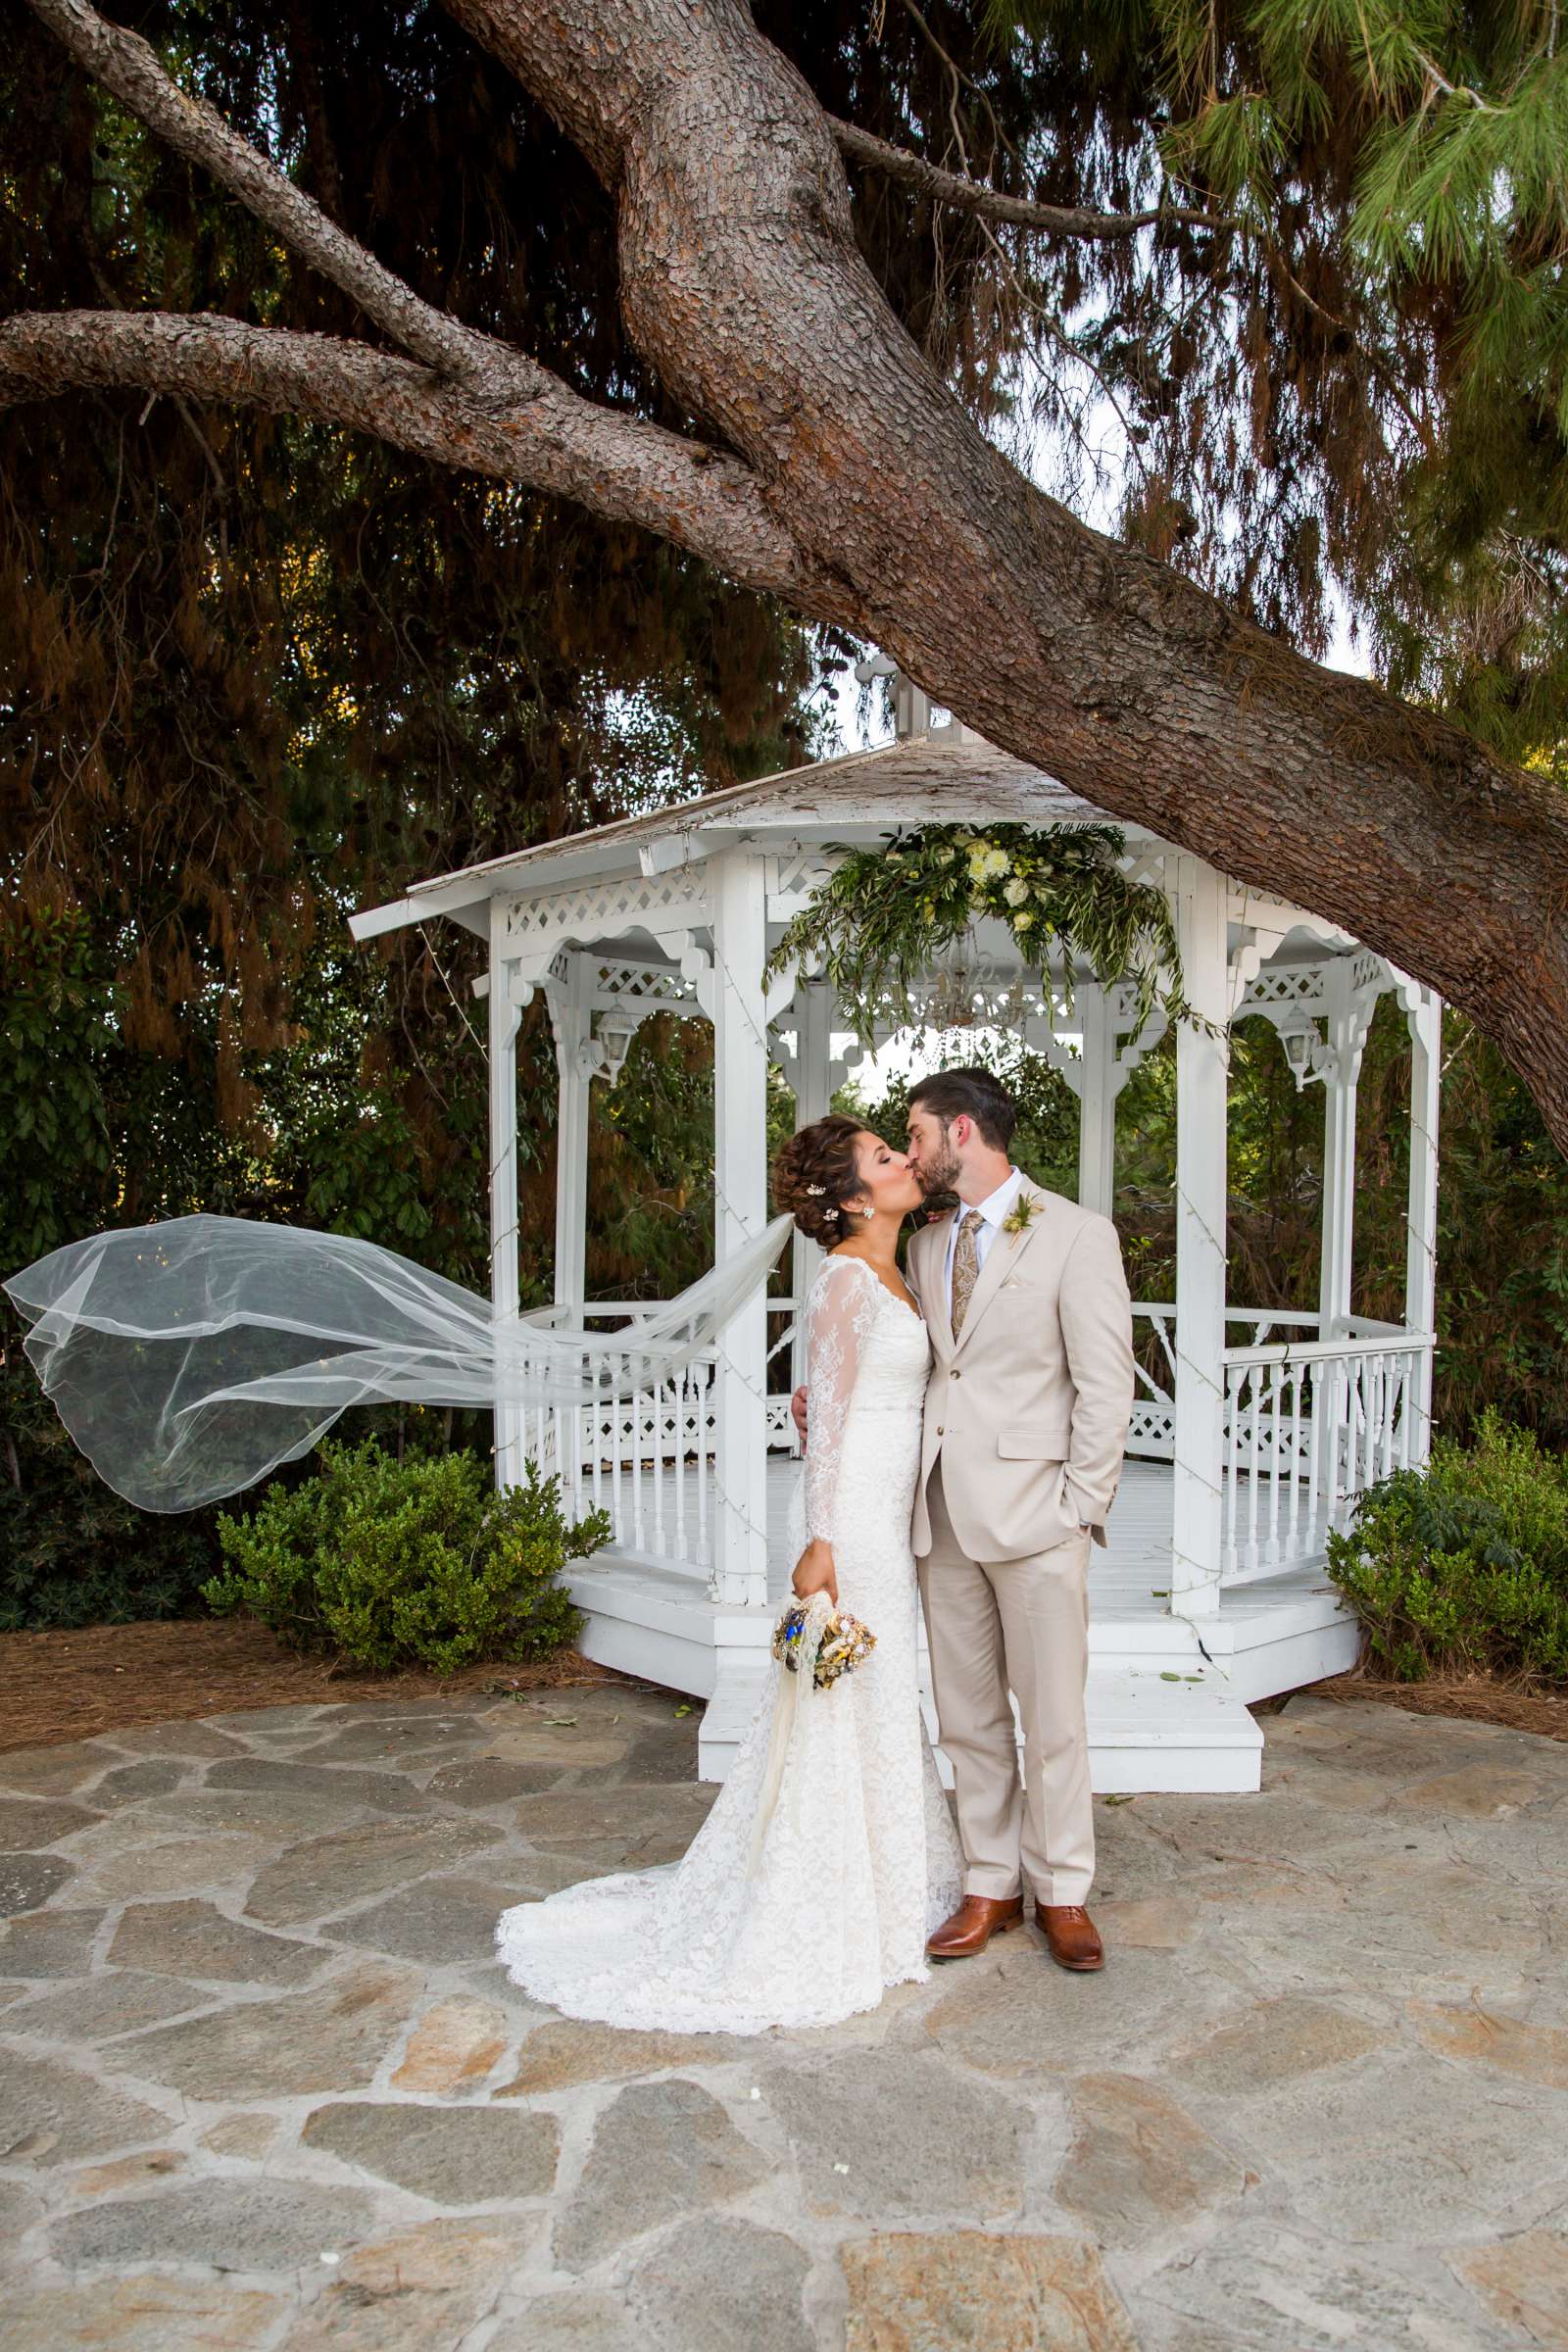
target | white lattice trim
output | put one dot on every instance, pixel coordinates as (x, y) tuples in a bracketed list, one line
[(653, 986), (1286, 985), (657, 904)]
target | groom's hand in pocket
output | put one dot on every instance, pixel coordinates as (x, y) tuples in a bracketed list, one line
[(797, 1413)]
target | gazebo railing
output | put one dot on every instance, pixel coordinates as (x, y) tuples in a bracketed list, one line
[(1308, 1425), (647, 1455), (1152, 1432), (646, 1450)]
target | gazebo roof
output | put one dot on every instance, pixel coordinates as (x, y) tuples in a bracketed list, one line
[(949, 775)]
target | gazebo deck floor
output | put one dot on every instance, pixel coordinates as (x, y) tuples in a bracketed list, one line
[(1167, 1694)]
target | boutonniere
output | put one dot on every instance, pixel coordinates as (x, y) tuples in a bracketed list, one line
[(1021, 1215)]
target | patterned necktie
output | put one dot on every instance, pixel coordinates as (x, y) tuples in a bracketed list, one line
[(965, 1267)]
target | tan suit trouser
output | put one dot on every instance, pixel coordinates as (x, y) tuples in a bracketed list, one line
[(1023, 1624)]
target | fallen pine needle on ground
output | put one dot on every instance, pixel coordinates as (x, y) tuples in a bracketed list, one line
[(70, 1684)]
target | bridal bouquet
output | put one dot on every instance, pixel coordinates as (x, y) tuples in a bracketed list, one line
[(835, 1641)]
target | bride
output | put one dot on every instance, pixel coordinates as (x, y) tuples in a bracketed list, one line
[(189, 1358), (806, 1893)]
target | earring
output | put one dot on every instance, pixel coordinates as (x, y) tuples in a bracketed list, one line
[(868, 1212)]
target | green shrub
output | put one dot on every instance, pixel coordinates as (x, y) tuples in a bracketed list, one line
[(1464, 1567), (71, 1551), (418, 1563)]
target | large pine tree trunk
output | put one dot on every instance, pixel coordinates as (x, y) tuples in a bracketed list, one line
[(743, 287)]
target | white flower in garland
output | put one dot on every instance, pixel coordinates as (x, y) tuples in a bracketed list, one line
[(908, 908)]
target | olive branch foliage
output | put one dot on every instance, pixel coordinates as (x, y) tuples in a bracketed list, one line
[(885, 914)]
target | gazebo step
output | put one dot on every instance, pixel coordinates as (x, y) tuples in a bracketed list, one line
[(1132, 1638), (1149, 1734), (651, 1621), (659, 1621), (1152, 1726), (1280, 1636)]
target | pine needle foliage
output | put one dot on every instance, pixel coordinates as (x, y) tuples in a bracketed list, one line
[(884, 915), (1356, 392)]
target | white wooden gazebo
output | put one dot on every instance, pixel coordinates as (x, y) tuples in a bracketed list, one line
[(1254, 1427)]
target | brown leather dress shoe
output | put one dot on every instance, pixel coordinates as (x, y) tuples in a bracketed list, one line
[(977, 1919), (1071, 1933)]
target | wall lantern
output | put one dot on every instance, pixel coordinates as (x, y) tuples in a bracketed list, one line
[(1305, 1049)]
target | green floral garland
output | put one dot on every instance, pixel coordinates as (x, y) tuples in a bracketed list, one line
[(884, 915)]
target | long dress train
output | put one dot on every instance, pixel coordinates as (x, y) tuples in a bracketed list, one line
[(858, 1859)]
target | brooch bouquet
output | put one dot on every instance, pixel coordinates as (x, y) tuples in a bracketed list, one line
[(834, 1642)]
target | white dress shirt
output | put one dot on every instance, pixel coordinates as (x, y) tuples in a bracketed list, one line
[(993, 1209)]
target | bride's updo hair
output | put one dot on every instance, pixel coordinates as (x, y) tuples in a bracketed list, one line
[(815, 1173)]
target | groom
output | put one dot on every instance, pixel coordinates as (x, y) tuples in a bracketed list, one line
[(1025, 1426)]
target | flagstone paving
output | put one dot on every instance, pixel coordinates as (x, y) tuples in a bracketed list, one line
[(262, 2086)]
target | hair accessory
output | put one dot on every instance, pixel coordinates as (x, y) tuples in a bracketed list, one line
[(816, 1191)]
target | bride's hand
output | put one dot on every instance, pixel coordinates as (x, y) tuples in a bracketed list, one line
[(815, 1572), (797, 1413)]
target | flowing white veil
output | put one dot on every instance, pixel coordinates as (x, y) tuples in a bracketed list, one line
[(189, 1358)]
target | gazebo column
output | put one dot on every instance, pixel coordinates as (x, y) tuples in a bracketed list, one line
[(572, 1018), (1339, 1155), (814, 1092), (1096, 1099), (740, 1172), (1424, 1017), (503, 1005), (1202, 1068)]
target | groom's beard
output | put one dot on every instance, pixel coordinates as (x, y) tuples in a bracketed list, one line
[(939, 1176)]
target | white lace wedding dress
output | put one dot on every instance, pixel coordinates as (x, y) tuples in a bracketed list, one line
[(858, 1859)]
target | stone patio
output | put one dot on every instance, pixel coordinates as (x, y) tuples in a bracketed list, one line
[(262, 2085)]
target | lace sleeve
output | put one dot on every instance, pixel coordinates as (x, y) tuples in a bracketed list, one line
[(838, 1320)]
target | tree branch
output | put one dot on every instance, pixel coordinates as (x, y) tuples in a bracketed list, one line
[(128, 66), (553, 441), (483, 404), (961, 195)]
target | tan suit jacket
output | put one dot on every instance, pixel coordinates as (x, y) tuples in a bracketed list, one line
[(1027, 1412)]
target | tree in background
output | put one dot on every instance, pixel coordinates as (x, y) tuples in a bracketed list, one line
[(798, 436), (255, 672)]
